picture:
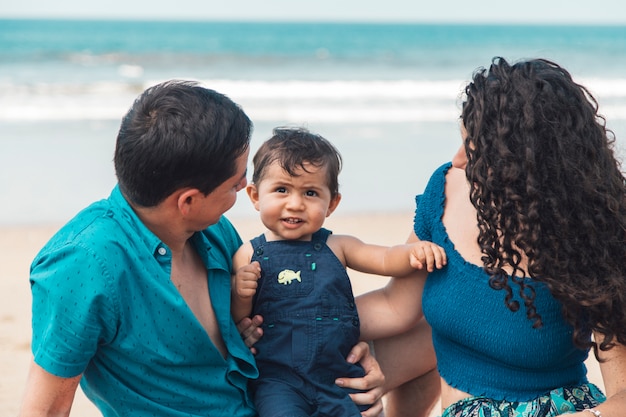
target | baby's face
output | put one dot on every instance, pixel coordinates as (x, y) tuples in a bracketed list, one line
[(293, 207)]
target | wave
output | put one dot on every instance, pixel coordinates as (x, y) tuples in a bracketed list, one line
[(284, 101)]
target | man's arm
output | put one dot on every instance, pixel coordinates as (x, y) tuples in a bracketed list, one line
[(47, 394)]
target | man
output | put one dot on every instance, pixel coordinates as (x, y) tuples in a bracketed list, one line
[(131, 298)]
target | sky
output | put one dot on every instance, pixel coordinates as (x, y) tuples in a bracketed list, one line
[(432, 11)]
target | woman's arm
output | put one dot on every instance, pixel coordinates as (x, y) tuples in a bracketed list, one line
[(395, 308), (613, 368), (371, 383)]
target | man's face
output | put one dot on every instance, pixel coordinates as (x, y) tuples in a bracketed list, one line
[(221, 199)]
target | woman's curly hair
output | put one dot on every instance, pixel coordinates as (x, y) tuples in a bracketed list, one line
[(548, 187)]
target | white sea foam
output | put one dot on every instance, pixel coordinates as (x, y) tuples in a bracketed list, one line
[(291, 101), (605, 88), (340, 89)]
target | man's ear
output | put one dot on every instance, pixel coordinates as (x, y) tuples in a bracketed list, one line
[(186, 200), (334, 202), (253, 193)]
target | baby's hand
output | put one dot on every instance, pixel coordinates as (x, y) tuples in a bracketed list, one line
[(245, 282), (427, 254)]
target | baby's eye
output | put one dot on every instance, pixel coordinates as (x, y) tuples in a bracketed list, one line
[(311, 193), (281, 190)]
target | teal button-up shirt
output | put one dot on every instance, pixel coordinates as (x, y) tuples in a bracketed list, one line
[(104, 306)]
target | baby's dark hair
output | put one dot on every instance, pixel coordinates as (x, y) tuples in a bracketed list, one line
[(292, 148)]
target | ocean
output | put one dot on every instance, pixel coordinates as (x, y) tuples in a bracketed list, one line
[(387, 95)]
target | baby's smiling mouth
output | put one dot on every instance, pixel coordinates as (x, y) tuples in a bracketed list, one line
[(292, 220)]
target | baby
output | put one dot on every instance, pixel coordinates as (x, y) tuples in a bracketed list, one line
[(294, 275)]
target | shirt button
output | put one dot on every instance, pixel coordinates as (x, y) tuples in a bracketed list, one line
[(162, 251)]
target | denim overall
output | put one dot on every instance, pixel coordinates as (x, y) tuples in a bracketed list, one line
[(310, 324)]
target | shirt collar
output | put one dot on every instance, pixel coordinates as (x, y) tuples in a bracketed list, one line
[(152, 241), (134, 223)]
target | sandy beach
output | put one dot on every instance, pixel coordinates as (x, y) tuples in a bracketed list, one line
[(19, 244)]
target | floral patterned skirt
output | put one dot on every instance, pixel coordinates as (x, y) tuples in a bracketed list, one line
[(559, 401)]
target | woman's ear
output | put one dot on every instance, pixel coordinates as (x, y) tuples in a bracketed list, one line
[(253, 193)]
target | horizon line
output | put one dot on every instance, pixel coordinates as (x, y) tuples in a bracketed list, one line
[(274, 20)]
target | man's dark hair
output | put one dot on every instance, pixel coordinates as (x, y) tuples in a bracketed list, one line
[(178, 134)]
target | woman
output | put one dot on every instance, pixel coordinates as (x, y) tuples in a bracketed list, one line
[(532, 215)]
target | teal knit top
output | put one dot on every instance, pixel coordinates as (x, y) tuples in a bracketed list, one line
[(482, 347)]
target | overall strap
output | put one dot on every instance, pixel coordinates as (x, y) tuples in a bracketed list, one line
[(321, 235), (257, 245)]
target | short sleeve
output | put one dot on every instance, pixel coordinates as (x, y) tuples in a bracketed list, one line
[(72, 310), (420, 221), (430, 204)]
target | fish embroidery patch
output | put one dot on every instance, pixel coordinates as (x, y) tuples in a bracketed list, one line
[(287, 276)]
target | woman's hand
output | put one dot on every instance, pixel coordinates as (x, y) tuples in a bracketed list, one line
[(371, 383)]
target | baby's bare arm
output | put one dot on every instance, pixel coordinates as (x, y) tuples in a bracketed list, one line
[(244, 282), (243, 290), (427, 255), (398, 260)]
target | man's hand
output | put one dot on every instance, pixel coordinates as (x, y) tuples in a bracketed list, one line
[(251, 331)]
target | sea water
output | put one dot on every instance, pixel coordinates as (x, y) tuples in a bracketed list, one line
[(387, 95)]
